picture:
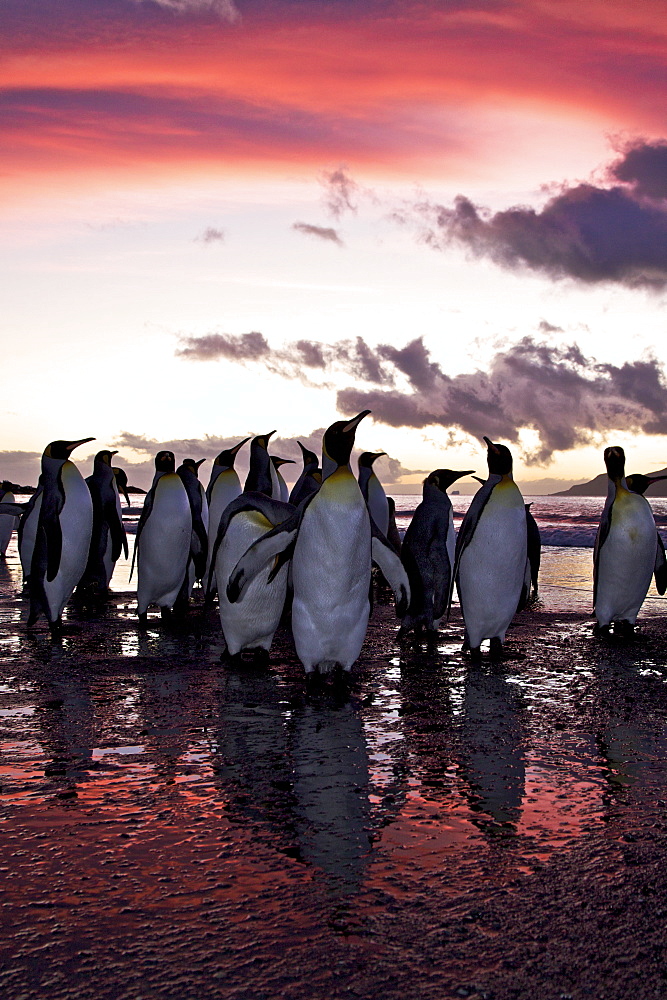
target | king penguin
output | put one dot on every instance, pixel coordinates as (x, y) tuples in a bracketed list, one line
[(7, 521), (628, 550), (373, 490), (492, 555), (63, 521), (108, 538), (162, 543), (188, 471), (428, 554), (250, 626), (331, 542), (121, 482), (310, 479), (223, 487), (282, 485)]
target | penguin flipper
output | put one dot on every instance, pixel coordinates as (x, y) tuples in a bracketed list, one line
[(278, 542), (600, 538), (143, 517), (49, 520), (16, 509), (660, 568), (385, 557)]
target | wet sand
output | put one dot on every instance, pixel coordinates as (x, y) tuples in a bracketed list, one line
[(172, 828)]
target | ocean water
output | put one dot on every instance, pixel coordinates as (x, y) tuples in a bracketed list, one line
[(567, 527)]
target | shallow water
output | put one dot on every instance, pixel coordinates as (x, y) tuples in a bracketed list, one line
[(173, 828)]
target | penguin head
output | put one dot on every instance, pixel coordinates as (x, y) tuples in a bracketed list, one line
[(443, 478), (259, 474), (277, 462), (310, 459), (63, 449), (165, 461), (368, 457), (226, 458), (614, 459), (338, 440), (104, 457), (639, 484), (499, 458), (192, 466)]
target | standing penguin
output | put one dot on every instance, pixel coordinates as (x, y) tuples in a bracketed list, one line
[(428, 554), (310, 479), (491, 555), (121, 482), (627, 552), (108, 537), (189, 474), (373, 490), (534, 549), (332, 541), (250, 626), (7, 521), (282, 485), (223, 487), (63, 521), (162, 543)]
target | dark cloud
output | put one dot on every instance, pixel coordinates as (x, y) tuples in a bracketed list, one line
[(224, 9), (212, 346), (322, 232), (588, 233), (20, 467), (341, 191), (211, 235), (546, 327), (644, 166)]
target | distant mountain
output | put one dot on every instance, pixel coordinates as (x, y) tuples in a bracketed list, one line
[(598, 487)]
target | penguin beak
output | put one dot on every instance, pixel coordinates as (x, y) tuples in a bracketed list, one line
[(200, 462), (352, 425), (655, 479), (459, 475), (490, 445), (71, 445), (237, 447), (263, 439)]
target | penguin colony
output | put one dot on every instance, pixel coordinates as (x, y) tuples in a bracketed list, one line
[(267, 552)]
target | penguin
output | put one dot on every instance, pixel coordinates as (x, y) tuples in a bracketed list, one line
[(534, 549), (62, 519), (8, 522), (637, 483), (162, 543), (121, 482), (108, 537), (282, 485), (393, 534), (373, 491), (249, 627), (223, 487), (189, 475), (310, 479), (428, 554), (492, 555), (627, 552), (331, 541)]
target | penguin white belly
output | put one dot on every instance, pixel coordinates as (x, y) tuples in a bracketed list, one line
[(331, 572), (625, 561), (377, 504), (251, 622), (226, 488), (76, 526), (28, 536), (164, 545), (492, 567), (7, 524)]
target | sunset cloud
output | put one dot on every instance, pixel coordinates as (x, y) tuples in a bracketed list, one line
[(568, 399), (321, 232), (211, 235)]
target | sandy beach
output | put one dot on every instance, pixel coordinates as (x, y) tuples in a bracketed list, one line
[(175, 829)]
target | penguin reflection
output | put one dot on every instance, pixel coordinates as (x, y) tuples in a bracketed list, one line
[(331, 777), (493, 760)]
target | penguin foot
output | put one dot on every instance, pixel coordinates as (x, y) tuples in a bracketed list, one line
[(601, 631), (624, 629), (165, 613), (143, 618), (475, 655), (496, 648)]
